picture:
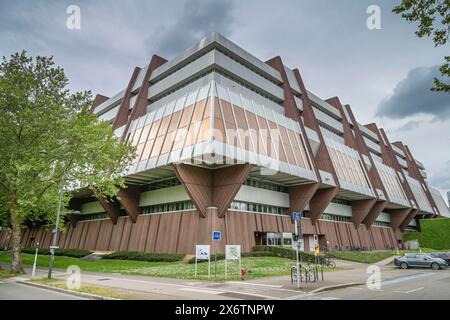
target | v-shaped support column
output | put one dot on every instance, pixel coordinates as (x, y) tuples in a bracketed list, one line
[(198, 184), (398, 216), (360, 210), (320, 202), (212, 188), (373, 214), (227, 182), (300, 196), (111, 207), (407, 220), (129, 198)]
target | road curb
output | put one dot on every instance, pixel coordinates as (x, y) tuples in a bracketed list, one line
[(336, 286), (66, 291)]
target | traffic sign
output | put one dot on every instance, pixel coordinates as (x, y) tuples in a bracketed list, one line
[(296, 216), (217, 235), (316, 249)]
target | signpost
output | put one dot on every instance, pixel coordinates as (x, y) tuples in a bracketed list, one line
[(33, 272), (202, 252), (297, 217), (216, 236), (232, 252)]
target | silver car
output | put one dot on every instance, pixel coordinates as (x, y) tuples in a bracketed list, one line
[(420, 261)]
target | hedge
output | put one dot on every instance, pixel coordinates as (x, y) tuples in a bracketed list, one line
[(144, 256), (74, 253), (285, 253), (435, 233), (221, 256)]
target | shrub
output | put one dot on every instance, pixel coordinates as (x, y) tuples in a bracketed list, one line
[(74, 253), (284, 253), (144, 256)]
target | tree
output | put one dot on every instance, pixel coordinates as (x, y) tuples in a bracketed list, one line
[(434, 20), (46, 131)]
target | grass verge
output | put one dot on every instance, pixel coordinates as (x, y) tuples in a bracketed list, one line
[(256, 267)]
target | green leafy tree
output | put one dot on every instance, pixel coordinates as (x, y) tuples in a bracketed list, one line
[(45, 132), (433, 17)]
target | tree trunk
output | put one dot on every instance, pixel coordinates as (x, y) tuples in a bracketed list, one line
[(16, 262)]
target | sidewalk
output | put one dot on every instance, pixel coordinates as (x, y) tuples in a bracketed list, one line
[(280, 287)]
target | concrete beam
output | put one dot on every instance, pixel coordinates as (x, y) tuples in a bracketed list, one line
[(319, 202), (129, 198), (300, 196), (111, 207), (360, 210), (374, 212)]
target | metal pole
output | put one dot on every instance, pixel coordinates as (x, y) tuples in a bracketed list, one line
[(33, 273), (55, 230), (298, 254)]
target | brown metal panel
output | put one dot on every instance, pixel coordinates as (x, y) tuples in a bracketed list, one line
[(187, 233), (124, 241), (75, 238), (116, 235), (152, 233), (168, 233), (92, 235), (135, 235), (84, 234), (104, 236), (144, 220)]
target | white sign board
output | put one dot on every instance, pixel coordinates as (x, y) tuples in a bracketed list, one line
[(232, 252), (202, 251)]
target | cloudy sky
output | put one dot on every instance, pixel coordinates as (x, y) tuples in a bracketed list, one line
[(384, 74)]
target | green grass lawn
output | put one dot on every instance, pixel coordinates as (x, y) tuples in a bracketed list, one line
[(373, 256), (256, 267)]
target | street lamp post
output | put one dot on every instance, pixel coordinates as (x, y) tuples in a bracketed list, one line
[(55, 230)]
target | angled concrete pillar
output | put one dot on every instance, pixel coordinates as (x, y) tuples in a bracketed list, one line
[(319, 202), (374, 212), (360, 210), (300, 196), (72, 219), (227, 182), (212, 188), (111, 207), (398, 216), (129, 198), (198, 184), (407, 220)]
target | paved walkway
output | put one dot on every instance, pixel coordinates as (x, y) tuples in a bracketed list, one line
[(280, 287)]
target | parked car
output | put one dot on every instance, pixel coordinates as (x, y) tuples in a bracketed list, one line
[(421, 261), (442, 255)]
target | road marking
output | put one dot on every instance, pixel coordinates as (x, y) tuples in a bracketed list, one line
[(410, 291), (201, 290), (256, 284), (414, 290), (406, 278), (255, 294)]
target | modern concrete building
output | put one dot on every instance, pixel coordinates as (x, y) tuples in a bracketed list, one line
[(231, 143)]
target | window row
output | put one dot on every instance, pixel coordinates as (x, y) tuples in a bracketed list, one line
[(255, 207), (265, 185), (169, 207), (332, 217)]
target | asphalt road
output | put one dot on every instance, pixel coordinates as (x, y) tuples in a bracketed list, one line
[(422, 285), (10, 290)]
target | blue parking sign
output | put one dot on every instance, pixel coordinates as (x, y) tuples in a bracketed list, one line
[(296, 216), (216, 235)]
